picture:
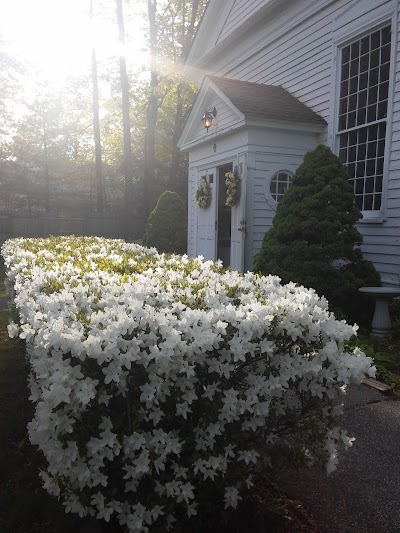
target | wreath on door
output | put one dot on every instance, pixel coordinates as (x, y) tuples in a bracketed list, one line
[(203, 194), (232, 184)]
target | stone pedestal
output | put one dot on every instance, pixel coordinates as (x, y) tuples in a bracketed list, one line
[(381, 323)]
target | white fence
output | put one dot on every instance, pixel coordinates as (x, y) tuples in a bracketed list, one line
[(43, 226)]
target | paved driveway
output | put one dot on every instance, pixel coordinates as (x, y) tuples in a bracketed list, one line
[(363, 494)]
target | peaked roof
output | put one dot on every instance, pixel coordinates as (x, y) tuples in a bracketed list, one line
[(265, 101)]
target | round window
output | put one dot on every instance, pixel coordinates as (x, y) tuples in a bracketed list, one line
[(279, 184)]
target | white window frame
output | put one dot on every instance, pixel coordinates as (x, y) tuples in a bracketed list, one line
[(346, 29), (274, 175)]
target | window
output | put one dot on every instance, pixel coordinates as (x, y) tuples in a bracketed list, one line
[(364, 89), (279, 184)]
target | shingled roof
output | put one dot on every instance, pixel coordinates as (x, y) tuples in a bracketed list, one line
[(256, 100)]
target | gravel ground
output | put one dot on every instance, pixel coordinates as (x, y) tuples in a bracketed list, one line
[(362, 495)]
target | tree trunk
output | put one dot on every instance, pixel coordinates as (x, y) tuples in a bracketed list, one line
[(152, 113), (46, 173), (96, 129), (186, 39), (175, 151), (128, 172)]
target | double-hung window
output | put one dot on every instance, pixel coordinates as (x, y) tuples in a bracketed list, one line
[(363, 105)]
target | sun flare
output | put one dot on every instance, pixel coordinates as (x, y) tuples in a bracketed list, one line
[(56, 37)]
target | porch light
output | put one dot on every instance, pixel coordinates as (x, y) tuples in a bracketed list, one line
[(208, 116)]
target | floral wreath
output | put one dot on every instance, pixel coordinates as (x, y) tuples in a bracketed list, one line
[(203, 194), (232, 183)]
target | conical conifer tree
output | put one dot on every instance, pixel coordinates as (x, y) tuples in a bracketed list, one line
[(313, 240), (166, 225)]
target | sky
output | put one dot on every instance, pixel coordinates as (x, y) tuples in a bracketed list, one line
[(56, 36)]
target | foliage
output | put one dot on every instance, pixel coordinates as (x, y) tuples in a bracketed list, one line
[(203, 194), (64, 116), (313, 240), (232, 184), (385, 350), (166, 226), (163, 382)]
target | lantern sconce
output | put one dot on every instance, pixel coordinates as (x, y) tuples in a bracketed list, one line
[(207, 118)]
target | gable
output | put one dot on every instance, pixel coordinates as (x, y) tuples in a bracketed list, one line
[(224, 24), (228, 116)]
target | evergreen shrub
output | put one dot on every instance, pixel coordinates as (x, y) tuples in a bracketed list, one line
[(313, 240), (166, 228)]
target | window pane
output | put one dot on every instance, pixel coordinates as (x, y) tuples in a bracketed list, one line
[(352, 154), (379, 166), (344, 88), (361, 116), (345, 71), (375, 39), (382, 110), (370, 170), (351, 119), (355, 50), (364, 63), (368, 202), (373, 132), (384, 73), (359, 186), (373, 95), (371, 149), (369, 185), (374, 59), (371, 113), (360, 169), (373, 76), (354, 68), (352, 138), (346, 54), (365, 45), (377, 201), (362, 149), (385, 54), (363, 81), (386, 35)]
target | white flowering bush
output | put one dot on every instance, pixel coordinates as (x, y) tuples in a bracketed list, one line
[(159, 380)]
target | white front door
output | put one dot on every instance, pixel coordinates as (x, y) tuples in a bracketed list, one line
[(238, 231), (206, 219)]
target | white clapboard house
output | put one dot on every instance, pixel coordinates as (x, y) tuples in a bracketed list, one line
[(277, 78)]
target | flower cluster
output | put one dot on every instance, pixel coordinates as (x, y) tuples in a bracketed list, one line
[(158, 377), (203, 194)]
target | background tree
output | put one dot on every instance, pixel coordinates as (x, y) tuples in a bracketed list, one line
[(96, 127), (313, 240), (166, 226), (156, 99)]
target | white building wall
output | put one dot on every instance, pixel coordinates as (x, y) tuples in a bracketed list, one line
[(240, 10), (270, 151), (297, 49)]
